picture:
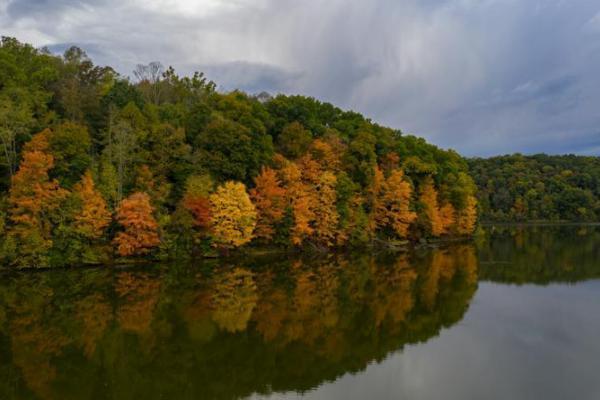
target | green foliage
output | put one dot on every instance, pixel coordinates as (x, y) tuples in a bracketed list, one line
[(293, 140), (70, 144), (538, 187), (176, 138), (230, 150), (361, 158), (199, 185)]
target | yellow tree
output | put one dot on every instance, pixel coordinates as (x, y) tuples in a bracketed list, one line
[(140, 233), (300, 198), (33, 197), (428, 198), (326, 155), (233, 215), (326, 214), (397, 201), (269, 198), (94, 216), (391, 203), (467, 217), (311, 195), (447, 216), (378, 215)]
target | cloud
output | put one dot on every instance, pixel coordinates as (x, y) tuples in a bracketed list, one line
[(481, 76), (250, 77)]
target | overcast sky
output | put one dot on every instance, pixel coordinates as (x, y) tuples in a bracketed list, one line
[(482, 76)]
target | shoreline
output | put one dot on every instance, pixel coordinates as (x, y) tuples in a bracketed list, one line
[(257, 252), (538, 223)]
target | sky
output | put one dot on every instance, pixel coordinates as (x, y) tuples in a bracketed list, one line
[(484, 77)]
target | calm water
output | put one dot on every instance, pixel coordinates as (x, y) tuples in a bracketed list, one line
[(515, 315)]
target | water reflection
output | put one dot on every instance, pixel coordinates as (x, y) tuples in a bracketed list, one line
[(266, 326), (540, 254), (224, 331)]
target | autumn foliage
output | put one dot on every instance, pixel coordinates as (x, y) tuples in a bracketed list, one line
[(140, 234), (170, 167), (429, 201), (233, 215), (94, 216), (269, 198), (33, 197), (391, 203), (467, 217)]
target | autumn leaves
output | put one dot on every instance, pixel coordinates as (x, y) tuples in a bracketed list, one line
[(294, 202), (33, 198)]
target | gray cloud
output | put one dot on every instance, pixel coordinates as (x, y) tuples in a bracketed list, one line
[(482, 76), (250, 77)]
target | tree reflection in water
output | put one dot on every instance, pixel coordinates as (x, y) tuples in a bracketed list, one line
[(222, 331)]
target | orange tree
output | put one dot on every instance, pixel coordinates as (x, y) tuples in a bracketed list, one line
[(140, 234), (33, 199)]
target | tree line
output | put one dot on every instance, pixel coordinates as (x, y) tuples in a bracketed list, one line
[(96, 166), (538, 187)]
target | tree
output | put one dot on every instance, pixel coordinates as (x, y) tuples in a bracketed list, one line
[(361, 158), (108, 181), (230, 150), (80, 87), (233, 215), (190, 223), (70, 145), (196, 201), (157, 188), (467, 217), (199, 207), (140, 233), (33, 198), (397, 203), (300, 198), (326, 214), (122, 143), (164, 150), (294, 140), (94, 216), (374, 201), (392, 203), (150, 81), (15, 121), (269, 198), (429, 201), (328, 153), (447, 216), (81, 223)]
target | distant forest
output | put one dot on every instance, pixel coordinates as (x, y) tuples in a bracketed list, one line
[(538, 188), (96, 167)]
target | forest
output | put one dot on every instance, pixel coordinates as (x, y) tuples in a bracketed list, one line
[(97, 168), (539, 187)]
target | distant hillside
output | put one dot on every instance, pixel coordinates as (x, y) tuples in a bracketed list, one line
[(538, 187)]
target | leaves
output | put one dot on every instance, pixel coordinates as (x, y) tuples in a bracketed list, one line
[(233, 215), (140, 233), (167, 141), (94, 216), (268, 197), (32, 199)]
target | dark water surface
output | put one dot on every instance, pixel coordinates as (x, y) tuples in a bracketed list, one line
[(515, 315)]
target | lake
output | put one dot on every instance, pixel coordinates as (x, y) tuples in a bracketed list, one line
[(513, 315)]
